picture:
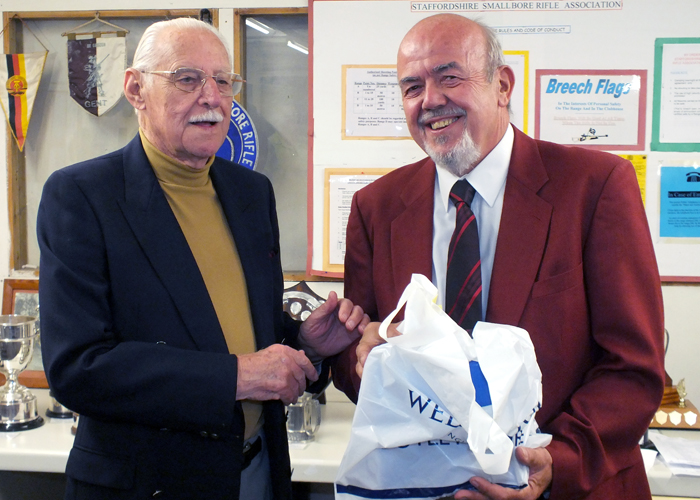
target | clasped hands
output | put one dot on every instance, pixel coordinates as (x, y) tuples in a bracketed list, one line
[(280, 371), (538, 460)]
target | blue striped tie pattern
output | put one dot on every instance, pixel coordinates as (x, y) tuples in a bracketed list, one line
[(463, 287)]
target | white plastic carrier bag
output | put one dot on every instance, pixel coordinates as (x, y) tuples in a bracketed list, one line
[(437, 407)]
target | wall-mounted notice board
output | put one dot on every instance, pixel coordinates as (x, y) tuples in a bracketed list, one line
[(357, 121)]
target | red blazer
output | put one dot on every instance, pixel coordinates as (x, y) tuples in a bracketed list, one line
[(575, 267)]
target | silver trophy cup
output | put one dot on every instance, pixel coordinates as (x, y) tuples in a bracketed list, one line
[(17, 405)]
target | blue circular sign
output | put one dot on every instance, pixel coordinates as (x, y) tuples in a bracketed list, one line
[(241, 144)]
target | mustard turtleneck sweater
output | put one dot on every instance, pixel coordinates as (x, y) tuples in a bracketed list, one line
[(193, 200)]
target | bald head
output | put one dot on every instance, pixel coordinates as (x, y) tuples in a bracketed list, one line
[(450, 30)]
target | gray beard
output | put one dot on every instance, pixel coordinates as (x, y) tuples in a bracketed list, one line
[(461, 159)]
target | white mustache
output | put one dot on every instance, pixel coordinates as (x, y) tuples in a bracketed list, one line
[(437, 113), (209, 116)]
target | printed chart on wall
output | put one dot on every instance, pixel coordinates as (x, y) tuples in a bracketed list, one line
[(583, 74), (372, 106), (340, 186), (676, 124), (680, 202)]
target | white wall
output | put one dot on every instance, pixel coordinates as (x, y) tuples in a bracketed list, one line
[(683, 325), (680, 302)]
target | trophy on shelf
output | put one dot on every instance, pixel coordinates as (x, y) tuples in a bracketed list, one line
[(18, 406), (675, 412)]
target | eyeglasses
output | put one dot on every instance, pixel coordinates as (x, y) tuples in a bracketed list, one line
[(191, 80)]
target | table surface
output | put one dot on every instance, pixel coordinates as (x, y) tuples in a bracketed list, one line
[(46, 448)]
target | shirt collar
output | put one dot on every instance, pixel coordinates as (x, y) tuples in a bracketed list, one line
[(488, 177)]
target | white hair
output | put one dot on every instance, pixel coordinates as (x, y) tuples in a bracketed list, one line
[(494, 52), (150, 53)]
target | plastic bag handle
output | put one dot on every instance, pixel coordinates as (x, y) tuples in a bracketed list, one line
[(418, 282)]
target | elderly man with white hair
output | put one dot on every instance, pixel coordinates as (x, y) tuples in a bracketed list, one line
[(161, 296)]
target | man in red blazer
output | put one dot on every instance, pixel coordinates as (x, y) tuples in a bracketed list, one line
[(565, 249)]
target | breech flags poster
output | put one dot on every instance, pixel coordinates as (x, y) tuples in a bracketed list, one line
[(21, 74)]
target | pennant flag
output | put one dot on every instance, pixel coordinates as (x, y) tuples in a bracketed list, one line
[(21, 74), (96, 72)]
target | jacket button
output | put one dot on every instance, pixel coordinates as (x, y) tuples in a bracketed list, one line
[(214, 435), (204, 434), (157, 494)]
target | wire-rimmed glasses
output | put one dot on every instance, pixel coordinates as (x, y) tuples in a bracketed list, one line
[(192, 79)]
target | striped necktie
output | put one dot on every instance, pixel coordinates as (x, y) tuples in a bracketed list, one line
[(463, 288)]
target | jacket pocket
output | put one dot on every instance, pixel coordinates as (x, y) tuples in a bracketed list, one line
[(559, 282), (101, 470)]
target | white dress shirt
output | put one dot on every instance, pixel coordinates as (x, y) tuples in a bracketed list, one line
[(489, 181)]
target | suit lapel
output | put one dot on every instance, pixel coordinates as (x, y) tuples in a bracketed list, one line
[(522, 234), (162, 241), (412, 229)]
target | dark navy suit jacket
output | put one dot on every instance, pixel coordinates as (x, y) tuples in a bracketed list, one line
[(130, 338)]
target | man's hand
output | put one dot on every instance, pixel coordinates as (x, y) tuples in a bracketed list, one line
[(277, 372), (540, 463), (371, 339), (331, 327)]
